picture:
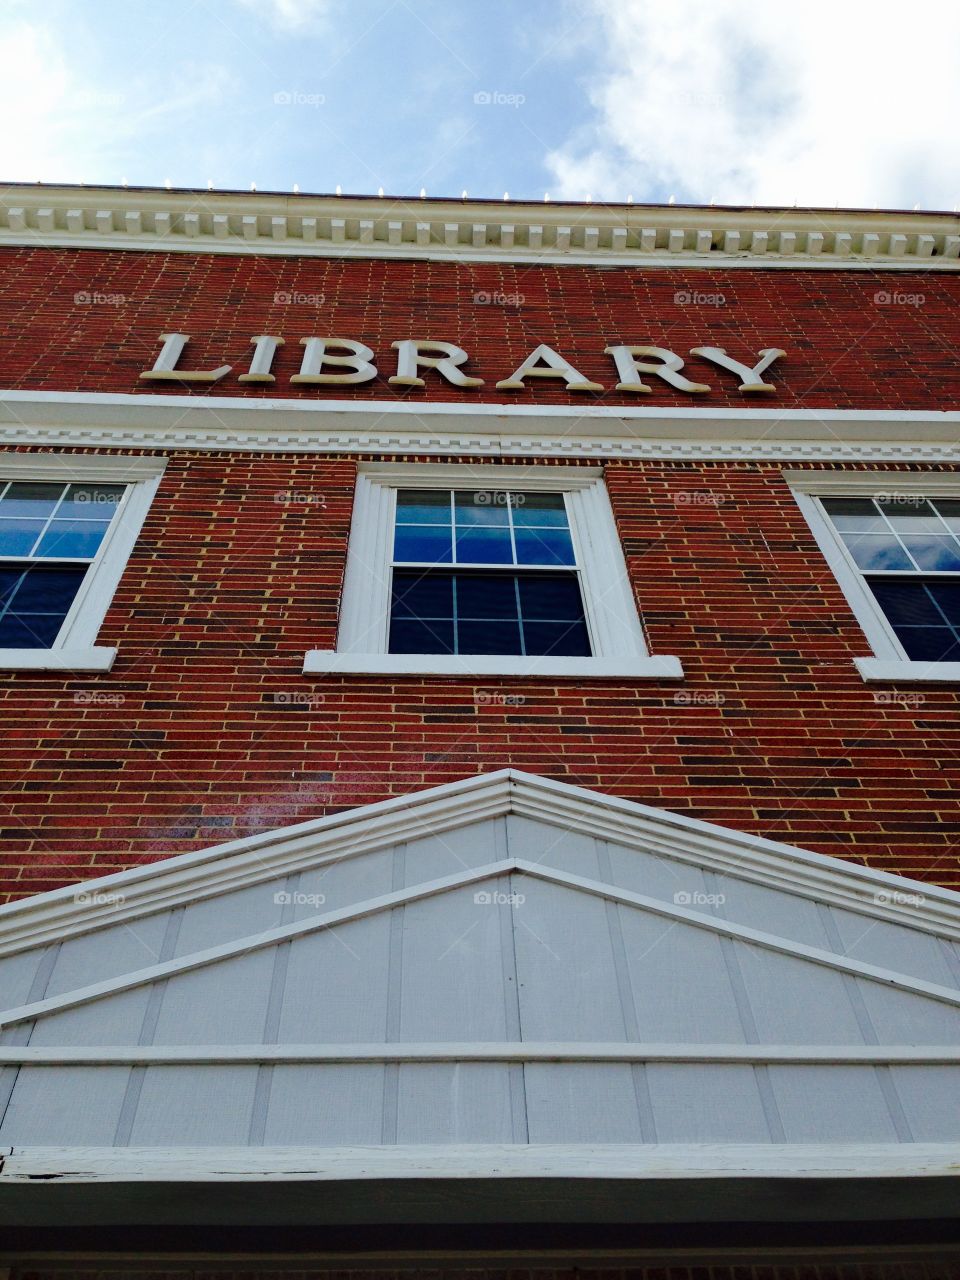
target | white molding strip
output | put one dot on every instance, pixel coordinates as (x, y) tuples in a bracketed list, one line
[(385, 902), (274, 224), (832, 1160), (86, 419), (899, 670), (454, 665), (189, 877), (70, 658), (485, 1051)]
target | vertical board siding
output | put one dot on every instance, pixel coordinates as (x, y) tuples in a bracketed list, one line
[(454, 1102), (194, 1106), (325, 1106), (831, 1104), (336, 985), (707, 1103), (75, 1108), (583, 1101)]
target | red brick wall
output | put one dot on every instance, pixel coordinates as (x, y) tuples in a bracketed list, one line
[(844, 349), (206, 729)]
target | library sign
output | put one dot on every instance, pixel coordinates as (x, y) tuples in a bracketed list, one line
[(342, 362)]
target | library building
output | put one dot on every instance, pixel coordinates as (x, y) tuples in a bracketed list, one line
[(480, 753)]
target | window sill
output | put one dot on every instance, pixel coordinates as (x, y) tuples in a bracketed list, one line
[(901, 669), (57, 659), (327, 661)]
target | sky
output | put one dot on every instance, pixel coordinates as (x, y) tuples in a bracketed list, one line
[(739, 102)]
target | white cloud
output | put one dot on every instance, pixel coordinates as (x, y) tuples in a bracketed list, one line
[(291, 15), (745, 101)]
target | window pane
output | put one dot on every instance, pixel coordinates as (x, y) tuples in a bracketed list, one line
[(35, 602), (18, 537), (72, 538), (911, 513), (554, 596), (929, 644), (91, 501), (544, 546), (857, 515), (941, 554), (540, 509), (950, 511), (494, 636), (408, 636), (905, 602), (31, 499), (486, 595), (947, 596), (428, 595), (560, 639), (920, 625), (422, 544), (484, 546), (484, 506), (877, 551), (423, 506)]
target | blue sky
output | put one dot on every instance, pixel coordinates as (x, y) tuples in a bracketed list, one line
[(600, 98)]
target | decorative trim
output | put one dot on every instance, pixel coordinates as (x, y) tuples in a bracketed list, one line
[(871, 484), (191, 877), (484, 1051), (230, 423), (833, 1160), (331, 662), (450, 475), (432, 888), (151, 220)]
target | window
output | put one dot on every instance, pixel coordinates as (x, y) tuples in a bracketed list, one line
[(894, 543), (67, 525), (466, 570)]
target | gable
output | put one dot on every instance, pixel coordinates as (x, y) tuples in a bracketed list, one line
[(508, 980)]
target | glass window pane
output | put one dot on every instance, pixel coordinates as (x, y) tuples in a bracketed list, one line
[(877, 551), (33, 500), (950, 511), (947, 596), (484, 507), (486, 595), (544, 546), (409, 636), (427, 595), (47, 590), (422, 544), (905, 602), (29, 630), (484, 546), (554, 596), (10, 575), (559, 639), (72, 538), (909, 513), (18, 537), (540, 509), (423, 506), (929, 644), (91, 501), (858, 515), (941, 554), (497, 635)]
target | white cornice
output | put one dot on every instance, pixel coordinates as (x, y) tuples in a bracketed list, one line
[(257, 859), (476, 230), (112, 421)]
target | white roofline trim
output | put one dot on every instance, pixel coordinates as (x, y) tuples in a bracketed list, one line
[(476, 230), (840, 1160), (188, 877)]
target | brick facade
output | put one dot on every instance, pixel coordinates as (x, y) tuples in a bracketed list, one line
[(207, 730)]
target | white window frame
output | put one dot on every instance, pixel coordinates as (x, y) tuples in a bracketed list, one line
[(889, 660), (75, 647), (616, 634)]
